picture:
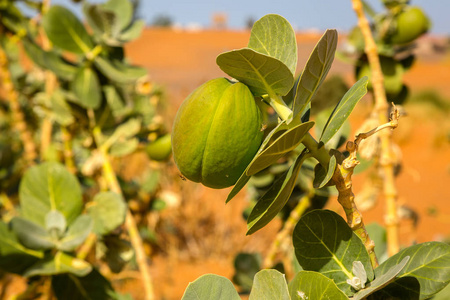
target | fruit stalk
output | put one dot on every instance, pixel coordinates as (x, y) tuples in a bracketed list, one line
[(288, 227), (130, 223), (380, 109), (18, 117)]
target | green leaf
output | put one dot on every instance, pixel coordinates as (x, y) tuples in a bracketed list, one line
[(14, 257), (133, 32), (55, 223), (76, 234), (49, 60), (270, 138), (32, 235), (322, 175), (65, 31), (316, 69), (123, 148), (276, 197), (382, 280), (123, 11), (427, 272), (119, 72), (269, 284), (443, 294), (324, 243), (107, 210), (86, 87), (341, 136), (211, 286), (89, 287), (287, 142), (60, 110), (274, 36), (49, 186), (59, 264), (261, 73), (114, 101), (343, 109), (313, 285)]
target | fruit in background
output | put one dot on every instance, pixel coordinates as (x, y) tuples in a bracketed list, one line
[(216, 133), (392, 73), (411, 23), (160, 149)]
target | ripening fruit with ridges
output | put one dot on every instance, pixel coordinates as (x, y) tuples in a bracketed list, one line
[(216, 133)]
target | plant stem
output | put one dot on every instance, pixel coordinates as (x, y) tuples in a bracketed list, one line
[(130, 223), (295, 215), (87, 246), (277, 103), (68, 153), (18, 118), (381, 106)]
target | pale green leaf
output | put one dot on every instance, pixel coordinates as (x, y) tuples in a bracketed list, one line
[(31, 235), (118, 71), (65, 31), (209, 287), (382, 280), (269, 284), (316, 69), (261, 73), (343, 109), (76, 234), (324, 243), (133, 32), (60, 110), (49, 186), (427, 272), (287, 142), (86, 87), (274, 36), (123, 148), (107, 210), (114, 101), (122, 9), (276, 197), (314, 286)]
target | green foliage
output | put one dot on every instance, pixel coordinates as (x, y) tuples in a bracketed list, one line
[(107, 211), (301, 287), (86, 87), (246, 265), (65, 31), (427, 272), (47, 187), (324, 243), (269, 284), (211, 286)]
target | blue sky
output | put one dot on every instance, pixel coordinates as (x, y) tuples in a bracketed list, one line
[(302, 14)]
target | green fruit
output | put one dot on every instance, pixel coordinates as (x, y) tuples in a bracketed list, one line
[(216, 133), (411, 23), (160, 149), (392, 73)]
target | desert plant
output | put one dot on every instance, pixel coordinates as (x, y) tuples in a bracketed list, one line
[(337, 255)]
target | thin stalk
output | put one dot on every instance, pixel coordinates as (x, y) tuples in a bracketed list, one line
[(67, 152), (130, 223), (277, 103), (381, 106), (87, 246), (288, 227), (18, 118)]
